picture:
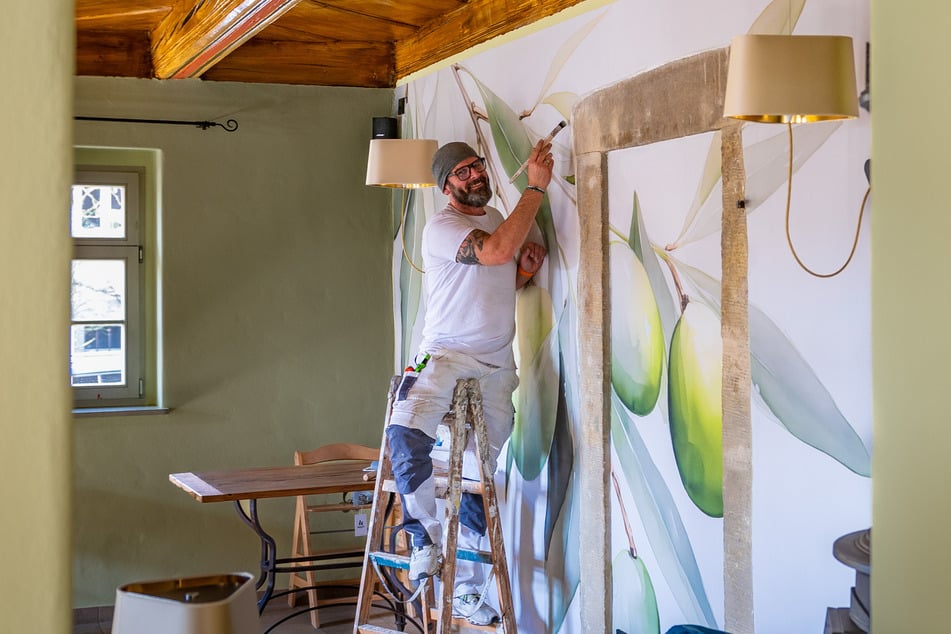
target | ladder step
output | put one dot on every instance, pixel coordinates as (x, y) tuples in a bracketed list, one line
[(461, 623), (392, 560), (374, 629), (442, 486), (481, 556)]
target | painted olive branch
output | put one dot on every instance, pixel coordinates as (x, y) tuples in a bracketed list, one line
[(627, 524), (663, 255)]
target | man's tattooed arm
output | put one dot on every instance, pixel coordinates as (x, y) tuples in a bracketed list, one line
[(471, 247)]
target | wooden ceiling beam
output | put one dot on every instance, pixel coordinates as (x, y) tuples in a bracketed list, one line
[(359, 64), (193, 37), (113, 53), (472, 23)]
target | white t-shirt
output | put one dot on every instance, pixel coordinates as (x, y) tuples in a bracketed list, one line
[(470, 307)]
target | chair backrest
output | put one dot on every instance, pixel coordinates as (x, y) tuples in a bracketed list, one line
[(336, 451)]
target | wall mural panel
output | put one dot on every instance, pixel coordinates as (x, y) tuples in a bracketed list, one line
[(808, 338)]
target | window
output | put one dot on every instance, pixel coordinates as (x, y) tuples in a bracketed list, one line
[(107, 348)]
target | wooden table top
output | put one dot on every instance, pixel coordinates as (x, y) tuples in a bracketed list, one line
[(273, 482)]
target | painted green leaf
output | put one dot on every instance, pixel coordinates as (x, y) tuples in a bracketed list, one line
[(661, 519), (509, 462), (562, 560), (778, 18), (513, 145), (708, 180), (789, 388), (767, 162), (563, 102), (563, 54), (634, 608), (560, 464), (663, 294), (668, 310), (537, 394), (634, 233), (767, 169)]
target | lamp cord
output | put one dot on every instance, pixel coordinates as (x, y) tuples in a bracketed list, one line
[(858, 228), (405, 208)]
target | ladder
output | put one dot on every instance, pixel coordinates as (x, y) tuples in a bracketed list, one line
[(466, 417)]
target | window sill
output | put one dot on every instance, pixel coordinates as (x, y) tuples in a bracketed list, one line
[(95, 412)]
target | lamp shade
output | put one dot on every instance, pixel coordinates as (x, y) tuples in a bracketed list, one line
[(791, 79), (401, 163)]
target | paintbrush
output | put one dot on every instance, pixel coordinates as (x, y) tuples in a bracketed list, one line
[(547, 139)]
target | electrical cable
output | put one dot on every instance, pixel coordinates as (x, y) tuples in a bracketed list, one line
[(858, 228), (405, 207)]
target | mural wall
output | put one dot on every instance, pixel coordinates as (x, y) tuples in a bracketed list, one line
[(809, 337)]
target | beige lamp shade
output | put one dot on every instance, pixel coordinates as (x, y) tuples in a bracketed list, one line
[(401, 163), (791, 79), (218, 604)]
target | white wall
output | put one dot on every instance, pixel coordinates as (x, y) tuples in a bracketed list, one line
[(817, 330)]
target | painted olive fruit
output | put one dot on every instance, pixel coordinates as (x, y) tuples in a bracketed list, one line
[(634, 607), (536, 400), (637, 338), (694, 379)]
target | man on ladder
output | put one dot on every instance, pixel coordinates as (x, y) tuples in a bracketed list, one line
[(474, 261)]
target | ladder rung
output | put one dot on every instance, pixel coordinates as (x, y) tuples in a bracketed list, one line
[(442, 486), (466, 625), (392, 560), (375, 629), (482, 556)]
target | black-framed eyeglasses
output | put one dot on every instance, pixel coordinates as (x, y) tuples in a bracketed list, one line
[(465, 171)]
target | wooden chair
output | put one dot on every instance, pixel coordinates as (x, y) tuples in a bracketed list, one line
[(301, 545)]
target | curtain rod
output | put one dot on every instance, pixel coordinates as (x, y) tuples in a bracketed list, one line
[(231, 125)]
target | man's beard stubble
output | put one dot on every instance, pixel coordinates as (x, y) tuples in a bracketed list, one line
[(478, 198)]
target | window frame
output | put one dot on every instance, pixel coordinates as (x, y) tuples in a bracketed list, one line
[(131, 250)]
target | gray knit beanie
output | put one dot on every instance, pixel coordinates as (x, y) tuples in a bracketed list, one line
[(447, 157)]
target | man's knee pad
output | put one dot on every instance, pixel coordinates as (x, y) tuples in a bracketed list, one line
[(409, 455), (472, 512)]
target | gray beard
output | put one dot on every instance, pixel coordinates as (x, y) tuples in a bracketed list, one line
[(478, 198)]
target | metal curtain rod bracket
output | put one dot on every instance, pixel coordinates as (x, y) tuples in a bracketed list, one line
[(231, 125)]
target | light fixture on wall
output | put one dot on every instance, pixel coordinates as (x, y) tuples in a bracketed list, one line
[(399, 163), (403, 163), (793, 79)]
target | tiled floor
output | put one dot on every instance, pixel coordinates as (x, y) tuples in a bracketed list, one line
[(333, 620)]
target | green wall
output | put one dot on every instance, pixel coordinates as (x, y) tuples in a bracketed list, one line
[(277, 319), (911, 225), (35, 96)]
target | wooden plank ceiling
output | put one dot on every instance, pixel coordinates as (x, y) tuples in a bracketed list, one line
[(365, 43)]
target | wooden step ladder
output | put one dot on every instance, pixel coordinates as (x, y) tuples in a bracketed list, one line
[(465, 417)]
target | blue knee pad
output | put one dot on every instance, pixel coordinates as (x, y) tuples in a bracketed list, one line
[(409, 455), (412, 465), (472, 512)]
